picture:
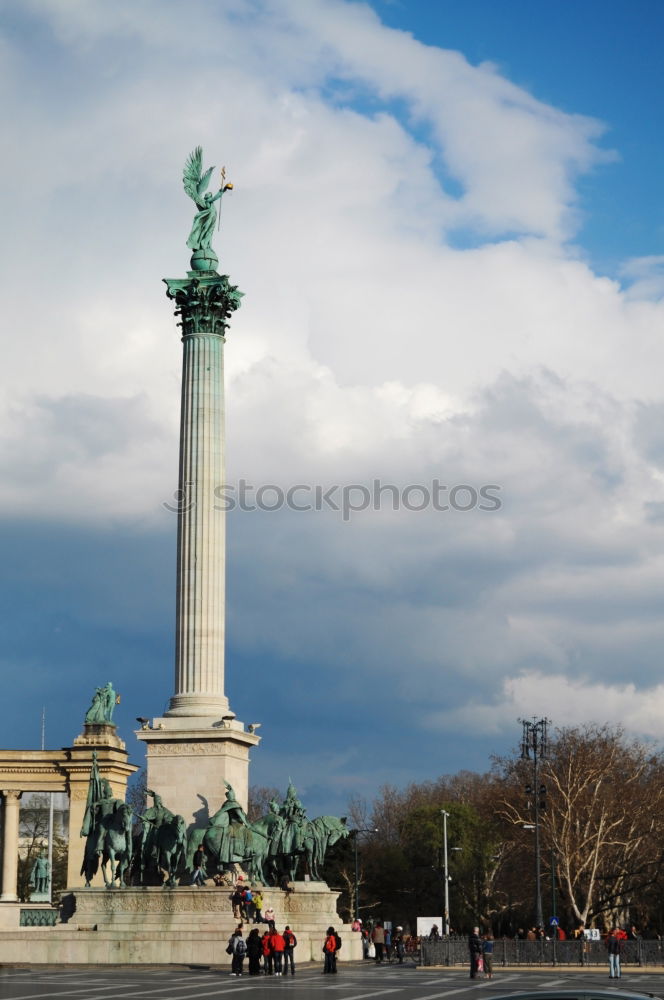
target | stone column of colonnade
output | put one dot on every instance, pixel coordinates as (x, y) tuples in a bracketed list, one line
[(10, 846), (200, 608)]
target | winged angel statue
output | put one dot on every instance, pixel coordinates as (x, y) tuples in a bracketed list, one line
[(195, 183)]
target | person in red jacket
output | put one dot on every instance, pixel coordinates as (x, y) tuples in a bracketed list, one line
[(267, 953), (291, 942), (330, 949), (278, 945)]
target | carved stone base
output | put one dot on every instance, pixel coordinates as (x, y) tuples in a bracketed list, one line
[(39, 897), (184, 926), (99, 734)]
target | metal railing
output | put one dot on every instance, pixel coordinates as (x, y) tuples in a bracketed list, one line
[(454, 951), (38, 917)]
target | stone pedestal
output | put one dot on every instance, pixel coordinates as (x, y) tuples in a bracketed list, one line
[(187, 925), (189, 762), (113, 765)]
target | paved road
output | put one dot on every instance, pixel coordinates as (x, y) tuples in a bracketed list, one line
[(354, 982)]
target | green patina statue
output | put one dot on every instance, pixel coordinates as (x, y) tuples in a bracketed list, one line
[(271, 848), (107, 827), (195, 184), (104, 701), (40, 874), (162, 844)]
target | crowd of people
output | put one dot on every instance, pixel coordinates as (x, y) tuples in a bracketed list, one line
[(480, 947), (271, 953)]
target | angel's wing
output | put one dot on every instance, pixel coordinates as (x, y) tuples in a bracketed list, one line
[(204, 181), (191, 175)]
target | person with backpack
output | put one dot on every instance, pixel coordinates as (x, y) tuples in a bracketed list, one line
[(238, 948), (278, 945), (330, 951), (236, 901), (254, 952), (290, 942)]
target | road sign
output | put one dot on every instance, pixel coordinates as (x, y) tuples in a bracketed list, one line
[(553, 922)]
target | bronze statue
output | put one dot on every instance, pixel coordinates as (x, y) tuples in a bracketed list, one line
[(156, 816), (195, 184), (104, 701), (40, 874)]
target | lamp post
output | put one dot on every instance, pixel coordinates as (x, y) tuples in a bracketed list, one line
[(446, 915), (357, 874), (534, 745)]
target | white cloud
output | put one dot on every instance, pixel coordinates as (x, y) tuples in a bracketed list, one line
[(568, 701), (367, 344)]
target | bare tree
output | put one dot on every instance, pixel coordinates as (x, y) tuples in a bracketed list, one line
[(260, 797), (604, 817)]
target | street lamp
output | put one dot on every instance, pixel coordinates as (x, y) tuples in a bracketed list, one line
[(446, 915), (370, 829), (535, 742)]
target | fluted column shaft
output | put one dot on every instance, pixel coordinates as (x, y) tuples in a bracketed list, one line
[(10, 846), (200, 610), (204, 302)]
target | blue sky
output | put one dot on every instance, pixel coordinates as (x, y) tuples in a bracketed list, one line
[(448, 226), (592, 58)]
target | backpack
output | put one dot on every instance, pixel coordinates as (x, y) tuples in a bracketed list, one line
[(240, 947), (290, 939), (331, 943), (338, 941)]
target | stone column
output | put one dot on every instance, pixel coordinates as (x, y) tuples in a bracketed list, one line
[(10, 846), (199, 745), (205, 301)]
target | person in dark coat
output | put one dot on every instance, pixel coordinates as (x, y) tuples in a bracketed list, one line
[(475, 950), (254, 952)]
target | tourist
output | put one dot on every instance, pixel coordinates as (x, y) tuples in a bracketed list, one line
[(378, 938), (198, 864), (269, 917), (236, 901), (330, 949), (487, 953), (434, 934), (290, 943), (614, 947), (249, 903), (254, 952), (388, 945), (475, 951), (238, 947), (399, 944), (267, 953), (258, 907), (277, 945)]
